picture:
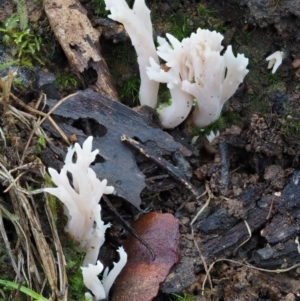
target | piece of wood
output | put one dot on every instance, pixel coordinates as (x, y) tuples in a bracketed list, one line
[(88, 113), (80, 42)]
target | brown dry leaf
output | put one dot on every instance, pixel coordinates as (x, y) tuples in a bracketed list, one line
[(141, 277)]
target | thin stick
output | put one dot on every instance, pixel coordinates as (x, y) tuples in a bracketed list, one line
[(250, 235), (127, 226), (40, 122), (35, 111), (161, 162), (210, 196), (248, 266)]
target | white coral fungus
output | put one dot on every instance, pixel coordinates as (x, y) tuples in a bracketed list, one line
[(100, 289), (138, 25), (197, 70), (275, 60), (81, 199)]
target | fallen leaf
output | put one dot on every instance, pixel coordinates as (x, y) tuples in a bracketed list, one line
[(141, 277)]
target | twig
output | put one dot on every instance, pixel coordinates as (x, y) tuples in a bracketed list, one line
[(161, 162), (35, 111), (127, 226), (40, 122), (247, 265), (210, 196), (271, 207), (250, 235)]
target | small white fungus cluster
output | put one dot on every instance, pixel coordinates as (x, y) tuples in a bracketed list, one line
[(197, 70), (81, 200)]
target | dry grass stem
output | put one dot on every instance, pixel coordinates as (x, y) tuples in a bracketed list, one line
[(33, 260)]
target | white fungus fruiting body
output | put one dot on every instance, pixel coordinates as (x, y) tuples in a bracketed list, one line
[(197, 70), (81, 199), (100, 289), (212, 136), (138, 25), (178, 63), (275, 60)]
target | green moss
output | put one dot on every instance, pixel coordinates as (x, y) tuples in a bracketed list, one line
[(289, 126), (270, 78), (40, 144), (99, 8), (130, 90), (204, 12), (243, 37), (226, 119), (22, 13), (257, 105), (66, 81), (74, 257)]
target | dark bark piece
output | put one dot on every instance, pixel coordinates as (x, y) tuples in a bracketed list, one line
[(216, 222), (80, 42), (174, 172), (279, 256), (226, 242), (291, 194), (276, 219), (224, 182), (281, 228), (181, 277), (89, 113)]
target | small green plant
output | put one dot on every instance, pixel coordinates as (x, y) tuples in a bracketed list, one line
[(185, 297), (205, 12), (243, 37), (99, 8), (24, 45), (211, 19), (270, 78), (23, 289), (226, 119), (130, 90), (18, 82), (40, 144), (179, 26), (5, 65), (66, 81), (22, 13)]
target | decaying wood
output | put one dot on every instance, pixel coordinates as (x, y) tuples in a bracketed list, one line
[(177, 174), (79, 40), (88, 113)]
